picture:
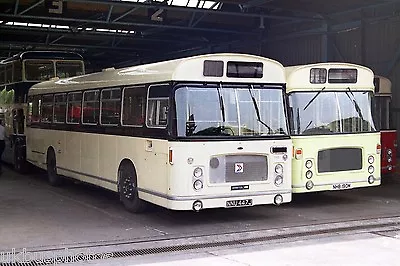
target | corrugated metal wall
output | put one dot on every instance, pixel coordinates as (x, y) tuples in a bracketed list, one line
[(348, 46), (374, 44), (295, 51)]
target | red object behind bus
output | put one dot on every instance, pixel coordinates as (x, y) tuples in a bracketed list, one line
[(388, 152), (383, 120)]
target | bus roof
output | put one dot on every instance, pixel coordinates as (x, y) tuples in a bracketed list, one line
[(383, 86), (184, 69), (60, 55), (298, 78)]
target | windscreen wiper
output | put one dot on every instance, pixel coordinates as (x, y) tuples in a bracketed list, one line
[(309, 124), (298, 120), (316, 95), (258, 110), (221, 102), (356, 106)]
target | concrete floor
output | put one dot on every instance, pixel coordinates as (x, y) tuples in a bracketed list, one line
[(38, 217)]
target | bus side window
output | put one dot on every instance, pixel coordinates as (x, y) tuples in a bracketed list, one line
[(17, 66), (110, 106), (9, 73), (33, 110), (158, 105), (2, 74), (91, 107), (74, 104), (133, 106), (60, 106), (47, 108)]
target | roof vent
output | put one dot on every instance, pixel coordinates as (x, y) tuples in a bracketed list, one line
[(54, 79), (108, 69)]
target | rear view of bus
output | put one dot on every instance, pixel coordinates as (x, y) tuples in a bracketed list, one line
[(336, 144), (383, 97), (232, 145)]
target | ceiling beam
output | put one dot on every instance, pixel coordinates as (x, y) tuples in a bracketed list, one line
[(18, 30), (190, 9), (64, 20), (31, 7), (81, 47), (358, 9)]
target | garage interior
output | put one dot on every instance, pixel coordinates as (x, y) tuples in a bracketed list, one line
[(39, 217), (126, 33)]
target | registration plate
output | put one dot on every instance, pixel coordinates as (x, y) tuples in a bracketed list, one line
[(239, 203), (341, 186)]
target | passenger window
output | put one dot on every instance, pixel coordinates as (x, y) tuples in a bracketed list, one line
[(9, 73), (74, 107), (47, 109), (157, 106), (60, 107), (17, 71), (133, 106), (91, 107), (2, 74), (110, 106), (33, 110)]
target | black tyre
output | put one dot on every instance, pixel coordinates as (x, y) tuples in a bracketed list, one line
[(53, 177), (127, 188)]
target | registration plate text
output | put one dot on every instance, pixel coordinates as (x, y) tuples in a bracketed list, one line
[(239, 203), (341, 186)]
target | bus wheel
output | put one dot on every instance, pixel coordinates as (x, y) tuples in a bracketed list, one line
[(127, 188), (53, 177)]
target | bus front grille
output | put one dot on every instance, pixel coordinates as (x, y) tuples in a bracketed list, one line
[(340, 159), (238, 168)]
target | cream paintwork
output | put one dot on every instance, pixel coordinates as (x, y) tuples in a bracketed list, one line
[(385, 86), (324, 181), (298, 79), (95, 158), (100, 156), (186, 69), (156, 177), (180, 182)]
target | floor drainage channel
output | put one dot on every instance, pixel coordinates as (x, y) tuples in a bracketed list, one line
[(7, 260)]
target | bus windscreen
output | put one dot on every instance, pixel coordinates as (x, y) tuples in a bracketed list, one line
[(331, 112), (199, 111)]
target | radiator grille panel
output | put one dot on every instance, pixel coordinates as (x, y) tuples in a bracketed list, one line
[(238, 168), (341, 159)]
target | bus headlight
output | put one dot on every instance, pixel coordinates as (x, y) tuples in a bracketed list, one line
[(389, 152), (198, 172), (309, 174), (389, 159), (371, 179), (279, 169), (309, 185), (197, 185), (308, 164), (371, 159), (370, 169), (278, 180)]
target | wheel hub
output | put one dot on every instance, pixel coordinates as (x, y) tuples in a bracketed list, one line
[(128, 187)]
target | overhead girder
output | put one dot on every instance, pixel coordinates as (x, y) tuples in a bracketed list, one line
[(184, 28), (99, 34), (191, 9)]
